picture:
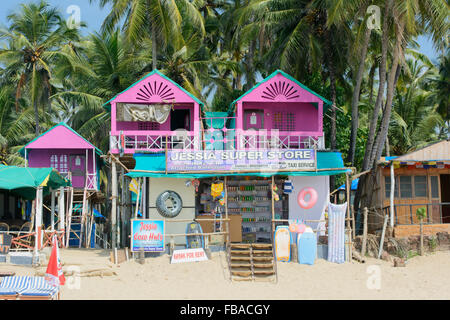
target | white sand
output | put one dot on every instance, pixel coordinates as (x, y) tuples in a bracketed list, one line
[(424, 277)]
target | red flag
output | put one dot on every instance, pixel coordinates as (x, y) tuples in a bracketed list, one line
[(54, 273)]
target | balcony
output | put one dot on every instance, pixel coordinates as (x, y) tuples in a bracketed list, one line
[(90, 181)]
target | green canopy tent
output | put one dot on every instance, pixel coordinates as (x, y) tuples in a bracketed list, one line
[(24, 182)]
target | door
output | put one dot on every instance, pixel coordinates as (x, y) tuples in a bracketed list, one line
[(78, 169), (445, 197), (254, 121)]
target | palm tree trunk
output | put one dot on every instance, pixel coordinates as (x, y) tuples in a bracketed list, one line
[(355, 98), (36, 116), (153, 36), (381, 87), (154, 48), (378, 102), (392, 81)]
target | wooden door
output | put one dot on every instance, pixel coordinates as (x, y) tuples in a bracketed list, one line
[(78, 169)]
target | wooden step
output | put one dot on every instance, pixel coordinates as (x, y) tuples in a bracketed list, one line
[(240, 258), (264, 272), (262, 258), (262, 246), (241, 264), (263, 265), (240, 252), (242, 273), (238, 278), (239, 246), (261, 252)]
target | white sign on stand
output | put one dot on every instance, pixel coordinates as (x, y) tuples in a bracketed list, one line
[(188, 255)]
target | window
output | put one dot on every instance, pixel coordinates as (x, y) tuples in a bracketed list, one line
[(420, 186), (148, 126), (63, 164), (434, 182), (387, 186), (54, 161), (284, 121), (405, 187)]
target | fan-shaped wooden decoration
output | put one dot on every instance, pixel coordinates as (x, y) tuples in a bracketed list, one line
[(284, 88), (153, 88)]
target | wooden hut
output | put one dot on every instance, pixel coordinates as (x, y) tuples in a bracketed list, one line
[(79, 161), (420, 179)]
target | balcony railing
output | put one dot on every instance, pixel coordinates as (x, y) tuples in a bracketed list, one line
[(140, 142), (405, 214), (279, 140), (90, 179)]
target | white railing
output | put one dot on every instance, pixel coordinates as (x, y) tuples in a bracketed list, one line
[(141, 142), (91, 181), (258, 140), (209, 140)]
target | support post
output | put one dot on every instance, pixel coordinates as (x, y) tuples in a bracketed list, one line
[(137, 199), (228, 241), (38, 220), (113, 205), (380, 250), (61, 209), (391, 195), (347, 191), (52, 209), (273, 205), (364, 239)]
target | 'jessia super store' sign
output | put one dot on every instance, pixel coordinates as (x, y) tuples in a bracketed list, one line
[(241, 160)]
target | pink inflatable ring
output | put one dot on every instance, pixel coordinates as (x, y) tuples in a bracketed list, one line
[(312, 198)]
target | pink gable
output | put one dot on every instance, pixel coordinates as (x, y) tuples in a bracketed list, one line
[(280, 89), (154, 89), (59, 137)]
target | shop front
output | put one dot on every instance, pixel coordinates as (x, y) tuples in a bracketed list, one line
[(237, 207)]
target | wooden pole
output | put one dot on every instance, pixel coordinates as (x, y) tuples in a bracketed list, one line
[(380, 250), (228, 241), (137, 199), (273, 205), (38, 220), (421, 236), (347, 191), (364, 239), (114, 204), (52, 210), (391, 195)]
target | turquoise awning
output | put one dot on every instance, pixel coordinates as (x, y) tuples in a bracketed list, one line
[(154, 165), (24, 181)]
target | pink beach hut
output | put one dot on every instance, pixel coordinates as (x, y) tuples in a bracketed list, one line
[(154, 114), (280, 112), (65, 150)]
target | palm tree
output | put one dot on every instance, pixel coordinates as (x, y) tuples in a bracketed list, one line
[(414, 115), (162, 20), (34, 40)]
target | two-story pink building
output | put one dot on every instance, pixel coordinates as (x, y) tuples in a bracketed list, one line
[(271, 136)]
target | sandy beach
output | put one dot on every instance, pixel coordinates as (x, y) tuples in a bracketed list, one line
[(424, 277)]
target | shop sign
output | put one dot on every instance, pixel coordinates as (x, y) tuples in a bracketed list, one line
[(188, 255), (5, 243), (241, 160), (147, 235)]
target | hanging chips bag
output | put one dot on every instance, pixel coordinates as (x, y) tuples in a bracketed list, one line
[(216, 189)]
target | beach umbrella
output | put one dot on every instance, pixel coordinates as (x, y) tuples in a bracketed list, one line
[(54, 274)]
